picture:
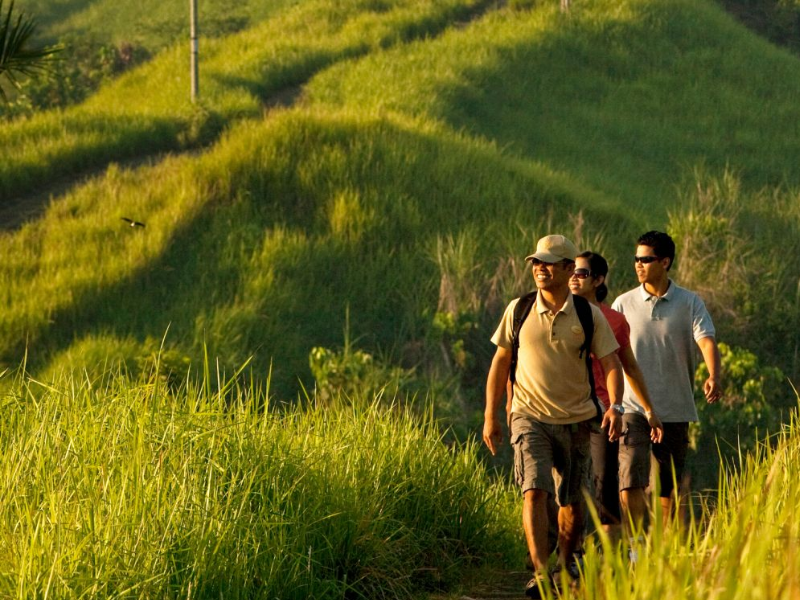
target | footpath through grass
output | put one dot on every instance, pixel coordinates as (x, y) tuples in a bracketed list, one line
[(148, 110)]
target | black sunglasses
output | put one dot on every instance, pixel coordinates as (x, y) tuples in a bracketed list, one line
[(581, 273), (646, 260)]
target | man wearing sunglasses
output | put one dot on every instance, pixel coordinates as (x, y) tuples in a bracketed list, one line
[(667, 323), (552, 404)]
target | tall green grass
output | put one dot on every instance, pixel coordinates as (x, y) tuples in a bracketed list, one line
[(117, 488), (741, 546)]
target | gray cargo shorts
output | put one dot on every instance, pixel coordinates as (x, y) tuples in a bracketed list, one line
[(552, 458)]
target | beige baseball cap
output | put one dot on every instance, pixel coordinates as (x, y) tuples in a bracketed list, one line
[(554, 248)]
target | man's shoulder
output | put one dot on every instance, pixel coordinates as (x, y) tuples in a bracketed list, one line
[(629, 298)]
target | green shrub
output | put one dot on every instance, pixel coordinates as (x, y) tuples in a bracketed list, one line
[(755, 401), (81, 67)]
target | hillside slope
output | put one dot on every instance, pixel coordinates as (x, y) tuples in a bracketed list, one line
[(408, 182)]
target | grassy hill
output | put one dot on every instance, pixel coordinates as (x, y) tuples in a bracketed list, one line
[(348, 207), (432, 143)]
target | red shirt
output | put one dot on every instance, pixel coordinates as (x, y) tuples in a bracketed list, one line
[(622, 331)]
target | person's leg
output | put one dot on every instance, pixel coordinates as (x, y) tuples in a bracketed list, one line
[(535, 522), (570, 526), (670, 455), (605, 482), (634, 510), (533, 465), (572, 466), (634, 472)]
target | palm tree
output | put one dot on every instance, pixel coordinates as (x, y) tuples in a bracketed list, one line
[(15, 57)]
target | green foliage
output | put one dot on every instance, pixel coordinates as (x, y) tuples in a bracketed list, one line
[(82, 67), (17, 58), (349, 373), (755, 401), (124, 488)]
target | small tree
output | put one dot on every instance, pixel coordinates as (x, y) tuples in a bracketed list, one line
[(15, 57)]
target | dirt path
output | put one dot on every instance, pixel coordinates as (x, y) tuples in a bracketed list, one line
[(15, 212), (491, 585)]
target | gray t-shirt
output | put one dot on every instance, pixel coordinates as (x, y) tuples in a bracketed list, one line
[(664, 332)]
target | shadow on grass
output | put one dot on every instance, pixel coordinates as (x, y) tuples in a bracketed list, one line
[(271, 268)]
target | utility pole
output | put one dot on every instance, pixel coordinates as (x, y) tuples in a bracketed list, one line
[(193, 41)]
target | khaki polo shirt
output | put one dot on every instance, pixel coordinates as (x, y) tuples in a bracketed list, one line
[(552, 382)]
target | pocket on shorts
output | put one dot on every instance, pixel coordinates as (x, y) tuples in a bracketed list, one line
[(519, 462), (637, 431)]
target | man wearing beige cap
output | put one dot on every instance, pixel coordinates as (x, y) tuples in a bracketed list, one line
[(552, 406)]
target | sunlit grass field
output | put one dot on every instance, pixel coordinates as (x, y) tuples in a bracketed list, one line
[(112, 488), (259, 240), (367, 172)]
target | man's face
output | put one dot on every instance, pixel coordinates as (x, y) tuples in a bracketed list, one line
[(552, 276), (649, 272)]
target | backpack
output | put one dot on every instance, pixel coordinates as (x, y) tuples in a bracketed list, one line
[(584, 311)]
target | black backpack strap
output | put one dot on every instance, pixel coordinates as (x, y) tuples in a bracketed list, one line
[(521, 312), (584, 310)]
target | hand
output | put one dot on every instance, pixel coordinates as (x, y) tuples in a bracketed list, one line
[(613, 420), (656, 427), (492, 434), (712, 390)]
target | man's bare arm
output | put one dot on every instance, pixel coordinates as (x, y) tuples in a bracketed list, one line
[(495, 388), (712, 387)]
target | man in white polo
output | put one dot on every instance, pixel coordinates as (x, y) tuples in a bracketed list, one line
[(667, 323), (552, 405)]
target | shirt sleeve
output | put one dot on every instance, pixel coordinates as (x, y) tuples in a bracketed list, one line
[(702, 326), (603, 340), (622, 332), (502, 335)]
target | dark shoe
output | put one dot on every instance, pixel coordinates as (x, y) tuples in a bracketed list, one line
[(538, 586)]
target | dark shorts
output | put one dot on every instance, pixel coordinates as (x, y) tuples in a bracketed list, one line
[(552, 458), (605, 478), (634, 452), (671, 453)]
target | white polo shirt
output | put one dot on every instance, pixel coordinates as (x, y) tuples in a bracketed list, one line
[(664, 334)]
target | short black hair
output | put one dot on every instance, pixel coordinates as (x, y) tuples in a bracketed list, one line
[(598, 266), (661, 243)]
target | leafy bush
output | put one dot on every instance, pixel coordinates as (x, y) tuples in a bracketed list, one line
[(755, 401), (81, 67)]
